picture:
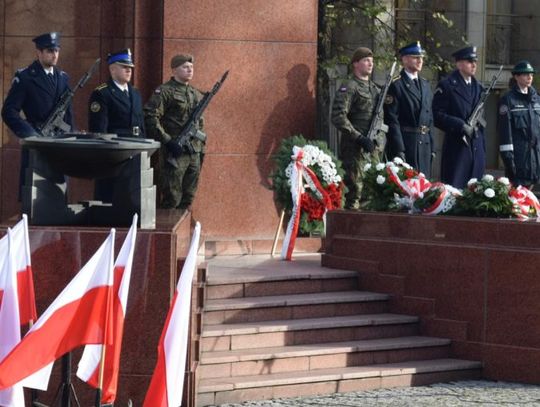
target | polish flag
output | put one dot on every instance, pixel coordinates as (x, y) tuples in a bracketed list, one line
[(80, 315), (9, 316), (167, 382), (22, 263), (88, 370)]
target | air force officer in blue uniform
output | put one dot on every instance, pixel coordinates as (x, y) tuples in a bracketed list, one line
[(36, 89), (464, 149), (408, 112)]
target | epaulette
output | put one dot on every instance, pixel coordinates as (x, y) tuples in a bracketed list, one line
[(102, 86), (395, 78), (21, 70)]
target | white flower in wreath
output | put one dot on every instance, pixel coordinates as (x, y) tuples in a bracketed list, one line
[(489, 192), (504, 181), (407, 166), (380, 179), (472, 181), (367, 167), (379, 167), (488, 178), (398, 161)]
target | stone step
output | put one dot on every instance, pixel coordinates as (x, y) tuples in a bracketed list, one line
[(327, 381), (295, 306), (228, 247), (255, 276), (251, 335), (320, 356)]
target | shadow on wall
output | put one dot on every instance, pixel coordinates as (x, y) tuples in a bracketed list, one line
[(293, 115)]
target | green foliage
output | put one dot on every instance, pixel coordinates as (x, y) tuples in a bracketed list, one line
[(487, 197)]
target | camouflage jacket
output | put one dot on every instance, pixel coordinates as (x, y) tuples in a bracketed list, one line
[(169, 110)]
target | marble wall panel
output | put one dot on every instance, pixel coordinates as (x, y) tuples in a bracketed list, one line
[(11, 159), (231, 202), (256, 20), (268, 95), (33, 17)]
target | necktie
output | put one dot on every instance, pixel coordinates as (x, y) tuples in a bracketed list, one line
[(51, 79), (416, 83)]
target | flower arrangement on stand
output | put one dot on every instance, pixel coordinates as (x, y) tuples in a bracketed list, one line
[(308, 183), (318, 158)]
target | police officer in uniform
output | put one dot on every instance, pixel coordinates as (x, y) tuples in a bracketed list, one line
[(454, 99), (166, 114), (35, 90), (115, 107), (408, 112), (352, 112), (519, 127)]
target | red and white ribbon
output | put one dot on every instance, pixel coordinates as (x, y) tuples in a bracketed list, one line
[(411, 187), (524, 200), (301, 172)]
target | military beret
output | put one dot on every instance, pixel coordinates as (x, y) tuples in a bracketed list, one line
[(47, 40), (360, 53), (413, 49), (122, 57), (467, 53), (181, 59), (523, 67)]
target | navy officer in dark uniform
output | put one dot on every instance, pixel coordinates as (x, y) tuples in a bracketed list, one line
[(115, 107), (35, 90), (408, 112), (454, 99), (519, 127)]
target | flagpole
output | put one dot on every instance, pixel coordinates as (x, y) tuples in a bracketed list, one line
[(99, 389)]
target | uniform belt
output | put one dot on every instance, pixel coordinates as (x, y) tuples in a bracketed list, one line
[(421, 129)]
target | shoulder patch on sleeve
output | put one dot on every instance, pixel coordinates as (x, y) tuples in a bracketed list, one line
[(15, 80), (158, 90), (503, 109), (343, 88), (389, 100), (438, 90), (95, 107)]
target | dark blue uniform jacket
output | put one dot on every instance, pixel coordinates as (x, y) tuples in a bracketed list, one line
[(453, 103)]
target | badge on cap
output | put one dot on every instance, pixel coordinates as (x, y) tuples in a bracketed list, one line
[(503, 109), (95, 107)]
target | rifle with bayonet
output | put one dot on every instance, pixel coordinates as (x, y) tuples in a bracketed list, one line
[(477, 116), (190, 130), (55, 125), (377, 122)]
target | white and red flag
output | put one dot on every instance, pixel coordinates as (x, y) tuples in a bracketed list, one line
[(9, 315), (167, 382), (88, 370), (21, 262), (80, 315)]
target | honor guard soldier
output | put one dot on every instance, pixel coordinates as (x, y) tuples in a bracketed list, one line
[(519, 127), (167, 113), (115, 107), (35, 90), (408, 112), (464, 149), (352, 112)]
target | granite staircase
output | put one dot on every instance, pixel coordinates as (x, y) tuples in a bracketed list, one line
[(282, 329)]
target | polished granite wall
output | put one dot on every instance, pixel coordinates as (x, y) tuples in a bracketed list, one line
[(268, 46)]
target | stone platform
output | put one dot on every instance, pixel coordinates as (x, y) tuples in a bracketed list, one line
[(472, 280), (59, 252)]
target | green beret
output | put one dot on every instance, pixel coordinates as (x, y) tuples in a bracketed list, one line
[(360, 53), (181, 59)]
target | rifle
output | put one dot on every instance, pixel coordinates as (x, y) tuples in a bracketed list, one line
[(55, 125), (190, 130), (477, 115), (377, 121)]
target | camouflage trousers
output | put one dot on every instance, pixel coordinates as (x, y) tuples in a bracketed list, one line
[(178, 185), (354, 173)]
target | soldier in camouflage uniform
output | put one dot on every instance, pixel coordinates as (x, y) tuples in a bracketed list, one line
[(166, 114), (351, 114)]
